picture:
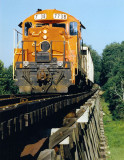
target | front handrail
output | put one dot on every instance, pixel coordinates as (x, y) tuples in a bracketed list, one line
[(22, 54), (35, 45), (36, 34), (22, 48), (64, 42), (16, 35)]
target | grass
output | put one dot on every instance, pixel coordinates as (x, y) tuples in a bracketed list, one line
[(114, 131)]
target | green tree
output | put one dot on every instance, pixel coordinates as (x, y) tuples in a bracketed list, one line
[(1, 77), (6, 80), (111, 56), (9, 86), (112, 77)]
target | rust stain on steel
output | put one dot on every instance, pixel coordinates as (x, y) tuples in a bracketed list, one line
[(32, 149)]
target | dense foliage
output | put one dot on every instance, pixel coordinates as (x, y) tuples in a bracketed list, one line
[(112, 77), (6, 80)]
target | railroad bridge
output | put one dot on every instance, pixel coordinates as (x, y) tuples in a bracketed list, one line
[(52, 127)]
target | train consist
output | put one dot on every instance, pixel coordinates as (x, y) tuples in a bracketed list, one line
[(52, 57)]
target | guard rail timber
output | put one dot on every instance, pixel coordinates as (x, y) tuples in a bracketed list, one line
[(82, 137)]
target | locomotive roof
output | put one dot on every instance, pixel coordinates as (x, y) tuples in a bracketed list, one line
[(49, 16), (50, 13)]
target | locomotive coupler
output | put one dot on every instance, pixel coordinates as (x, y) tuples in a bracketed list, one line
[(43, 76)]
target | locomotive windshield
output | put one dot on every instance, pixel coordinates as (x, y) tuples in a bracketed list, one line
[(27, 26), (73, 28), (62, 25), (42, 24)]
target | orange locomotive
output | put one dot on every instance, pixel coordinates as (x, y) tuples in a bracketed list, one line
[(50, 57)]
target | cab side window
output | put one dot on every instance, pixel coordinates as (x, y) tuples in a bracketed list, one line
[(73, 28), (27, 26)]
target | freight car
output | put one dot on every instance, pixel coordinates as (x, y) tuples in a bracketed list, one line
[(51, 57)]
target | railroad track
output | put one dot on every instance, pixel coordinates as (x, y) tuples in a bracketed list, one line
[(26, 95), (9, 101), (18, 112)]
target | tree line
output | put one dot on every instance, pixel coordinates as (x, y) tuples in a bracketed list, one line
[(108, 73)]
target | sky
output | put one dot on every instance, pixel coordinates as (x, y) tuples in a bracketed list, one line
[(103, 19)]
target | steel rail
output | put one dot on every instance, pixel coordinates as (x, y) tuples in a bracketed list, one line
[(21, 99), (26, 95)]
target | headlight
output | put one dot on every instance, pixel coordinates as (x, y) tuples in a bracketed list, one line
[(25, 63), (44, 31), (45, 46), (59, 63), (44, 37)]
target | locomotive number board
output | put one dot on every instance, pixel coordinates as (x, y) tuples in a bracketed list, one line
[(59, 16), (55, 16), (39, 16)]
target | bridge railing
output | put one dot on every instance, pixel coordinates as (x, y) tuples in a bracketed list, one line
[(82, 137)]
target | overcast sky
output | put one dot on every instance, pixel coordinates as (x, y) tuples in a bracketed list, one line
[(103, 19)]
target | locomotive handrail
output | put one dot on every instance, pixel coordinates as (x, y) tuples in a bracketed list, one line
[(22, 48), (18, 42), (37, 34), (57, 41), (33, 44), (51, 49), (14, 61), (63, 51), (18, 31), (64, 55), (28, 41), (17, 36)]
